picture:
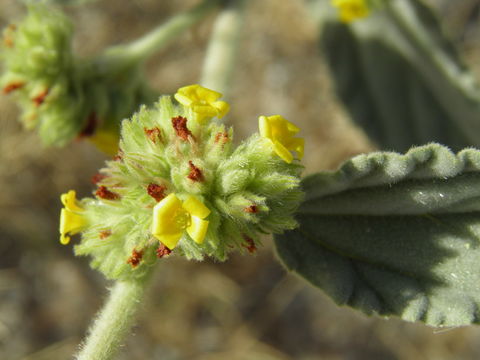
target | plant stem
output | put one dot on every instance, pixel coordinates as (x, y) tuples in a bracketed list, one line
[(450, 82), (223, 46), (114, 321), (142, 48)]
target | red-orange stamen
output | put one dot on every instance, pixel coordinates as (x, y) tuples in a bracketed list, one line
[(40, 98), (250, 244), (163, 251), (12, 87), (179, 123), (104, 234), (153, 134), (252, 209), (135, 259), (195, 173), (103, 193), (156, 191)]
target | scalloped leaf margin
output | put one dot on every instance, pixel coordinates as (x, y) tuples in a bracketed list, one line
[(394, 235)]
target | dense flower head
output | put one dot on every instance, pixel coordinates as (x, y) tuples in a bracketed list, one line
[(61, 96), (351, 10), (179, 186)]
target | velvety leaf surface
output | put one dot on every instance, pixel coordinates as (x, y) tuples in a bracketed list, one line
[(393, 234), (401, 79)]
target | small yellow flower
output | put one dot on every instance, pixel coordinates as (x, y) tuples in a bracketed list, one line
[(106, 141), (280, 132), (203, 102), (171, 217), (71, 219), (351, 10)]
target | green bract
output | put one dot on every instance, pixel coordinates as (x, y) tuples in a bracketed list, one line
[(60, 95), (249, 190)]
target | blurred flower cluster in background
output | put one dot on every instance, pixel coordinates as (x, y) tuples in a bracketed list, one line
[(248, 307)]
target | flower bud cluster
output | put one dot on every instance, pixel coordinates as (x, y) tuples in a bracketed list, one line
[(180, 186), (61, 96)]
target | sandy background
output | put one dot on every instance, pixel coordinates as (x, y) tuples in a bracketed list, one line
[(246, 308)]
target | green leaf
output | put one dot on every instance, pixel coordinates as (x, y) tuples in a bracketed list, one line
[(401, 79), (393, 234)]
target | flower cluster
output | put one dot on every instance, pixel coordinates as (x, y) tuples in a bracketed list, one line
[(61, 96), (179, 186), (351, 10)]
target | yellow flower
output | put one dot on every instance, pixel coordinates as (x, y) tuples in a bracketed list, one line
[(106, 141), (351, 10), (203, 102), (171, 217), (280, 132), (71, 219)]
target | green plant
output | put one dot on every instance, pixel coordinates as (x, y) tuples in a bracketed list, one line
[(388, 234), (67, 97)]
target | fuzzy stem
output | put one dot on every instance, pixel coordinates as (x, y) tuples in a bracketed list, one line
[(142, 48), (223, 47), (113, 321)]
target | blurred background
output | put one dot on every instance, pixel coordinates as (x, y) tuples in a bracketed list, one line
[(248, 307)]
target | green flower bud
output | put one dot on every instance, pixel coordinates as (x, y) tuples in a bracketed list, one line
[(179, 185), (61, 96)]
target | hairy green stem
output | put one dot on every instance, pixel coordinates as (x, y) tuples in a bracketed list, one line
[(142, 48), (114, 321), (223, 47)]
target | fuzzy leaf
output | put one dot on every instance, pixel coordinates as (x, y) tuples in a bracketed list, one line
[(401, 79), (393, 234)]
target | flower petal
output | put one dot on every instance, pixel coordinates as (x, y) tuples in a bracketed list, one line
[(297, 144), (64, 239), (182, 99), (264, 127), (207, 95), (222, 108), (351, 10), (202, 101), (70, 223), (292, 128), (70, 202), (282, 151), (107, 141), (205, 110), (280, 132), (169, 240), (164, 216), (198, 229), (196, 208)]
